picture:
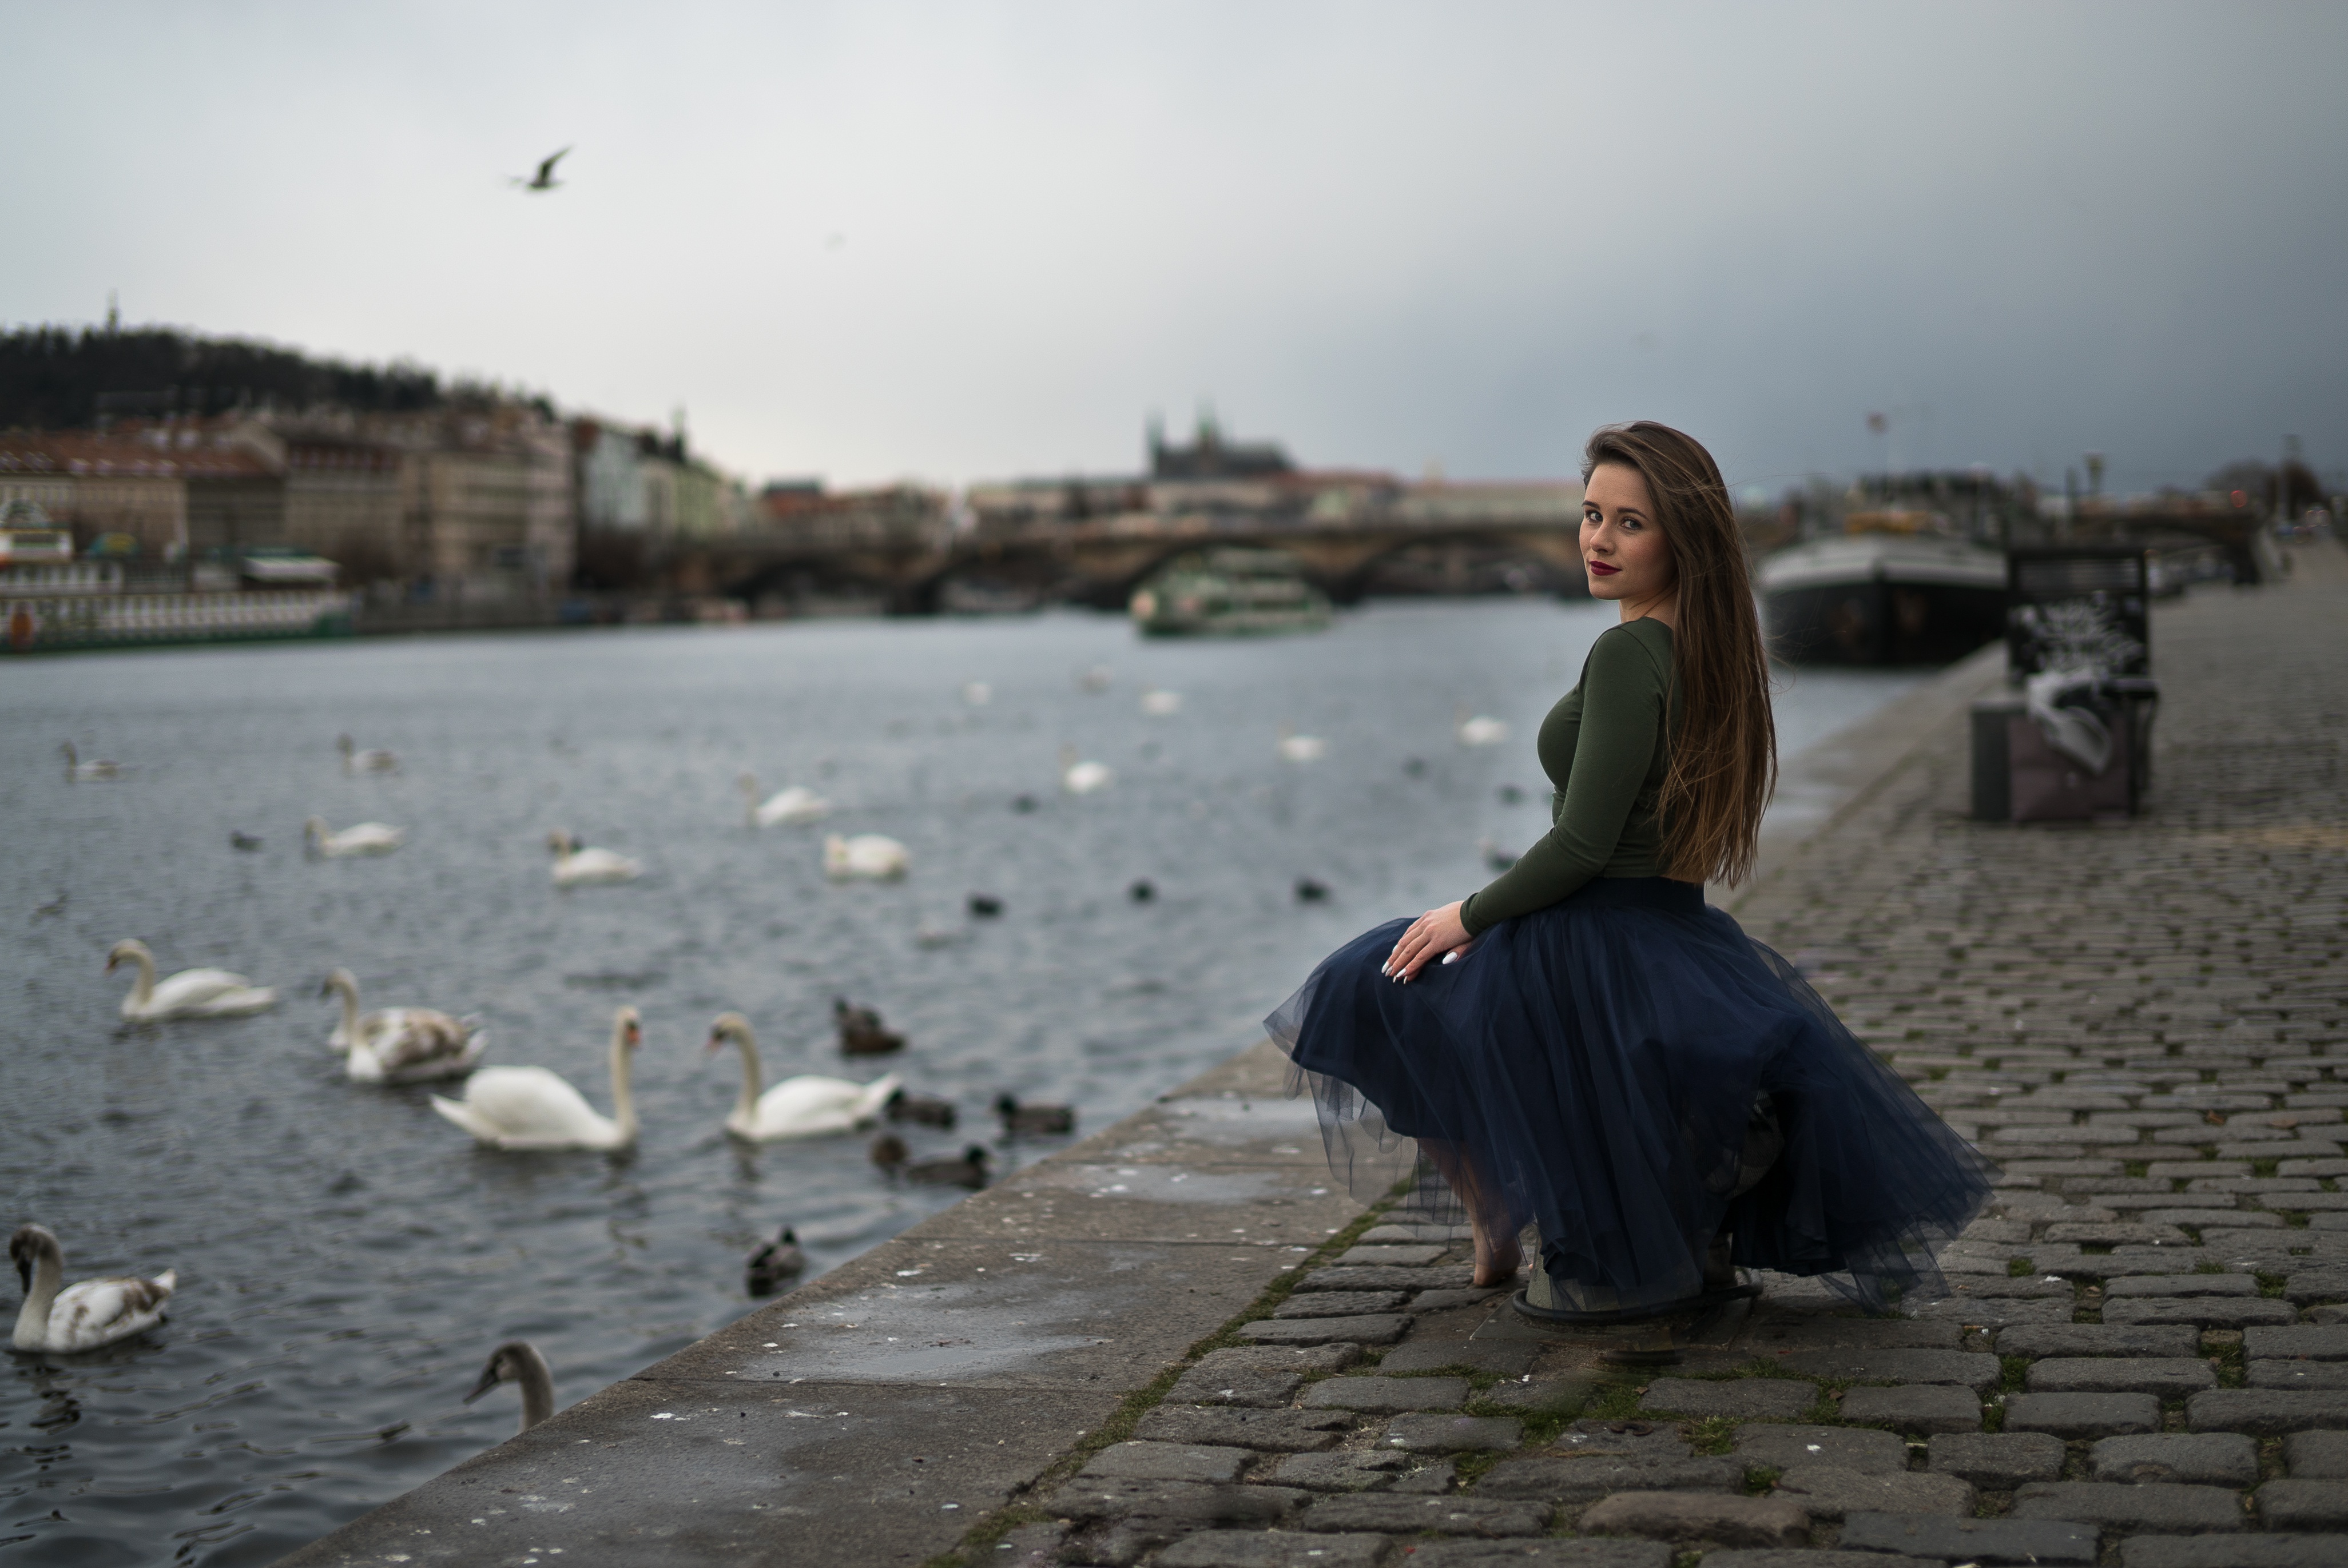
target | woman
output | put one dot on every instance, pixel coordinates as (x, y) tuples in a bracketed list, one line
[(1584, 1043)]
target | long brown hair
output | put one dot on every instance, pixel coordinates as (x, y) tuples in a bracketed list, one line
[(1724, 763)]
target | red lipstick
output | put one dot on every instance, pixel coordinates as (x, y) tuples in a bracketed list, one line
[(1600, 568)]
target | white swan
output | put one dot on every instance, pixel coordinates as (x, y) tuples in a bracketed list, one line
[(372, 761), (1083, 778), (518, 1361), (401, 1045), (91, 772), (1296, 748), (868, 855), (1160, 704), (93, 1313), (531, 1108), (793, 806), (364, 839), (1478, 729), (191, 993), (577, 868), (803, 1107)]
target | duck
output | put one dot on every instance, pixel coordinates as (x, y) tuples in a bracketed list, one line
[(92, 772), (789, 806), (967, 1169), (868, 856), (401, 1045), (362, 838), (1478, 729), (804, 1107), (84, 1316), (531, 1108), (984, 906), (1142, 890), (1296, 748), (240, 839), (926, 1108), (373, 760), (1161, 704), (191, 993), (1308, 891), (777, 1261), (518, 1361), (1032, 1118), (1083, 778), (577, 867), (860, 1030)]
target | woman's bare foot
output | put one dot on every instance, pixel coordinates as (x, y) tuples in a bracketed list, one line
[(1495, 1257)]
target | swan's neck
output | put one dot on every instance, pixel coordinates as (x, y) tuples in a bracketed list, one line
[(142, 990), (536, 1391), (350, 995), (754, 1080), (33, 1322), (624, 1103)]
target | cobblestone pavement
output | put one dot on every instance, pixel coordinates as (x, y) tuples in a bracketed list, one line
[(2142, 1357)]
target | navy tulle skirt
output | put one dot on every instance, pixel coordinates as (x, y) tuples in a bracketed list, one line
[(1600, 1063)]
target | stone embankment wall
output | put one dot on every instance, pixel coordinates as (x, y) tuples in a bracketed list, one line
[(1178, 1343)]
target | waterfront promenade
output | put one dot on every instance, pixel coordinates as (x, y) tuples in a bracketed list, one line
[(1179, 1342)]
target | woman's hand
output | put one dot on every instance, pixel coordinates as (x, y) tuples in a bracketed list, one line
[(1432, 934)]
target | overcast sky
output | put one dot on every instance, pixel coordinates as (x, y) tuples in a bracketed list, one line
[(953, 241)]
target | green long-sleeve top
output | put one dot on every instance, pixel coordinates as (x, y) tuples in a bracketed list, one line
[(1605, 747)]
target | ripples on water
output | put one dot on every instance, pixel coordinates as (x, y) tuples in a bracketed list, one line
[(347, 1259)]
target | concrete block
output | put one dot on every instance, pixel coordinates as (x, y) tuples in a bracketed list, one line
[(1387, 1396), (1138, 1461), (1268, 1431), (1452, 1300), (1428, 1433), (1695, 1516), (2215, 1459), (2159, 1506), (1832, 1492), (1542, 1396), (1189, 1504), (1808, 1557), (1924, 1408), (1509, 1357), (1382, 1328), (2098, 1339), (1389, 1515), (1299, 1358), (1855, 1334), (1743, 1397), (1341, 1303), (2234, 1552), (1860, 1449), (2083, 1415), (2310, 1340), (1374, 1256), (2051, 1544), (2316, 1456), (2265, 1412), (1584, 1478), (2202, 1311), (1546, 1553), (2307, 1285), (2183, 1284), (2171, 1378), (1272, 1549), (1962, 1369), (1351, 1470), (1383, 1278), (2304, 1504), (1998, 1461), (2327, 1375), (1248, 1385)]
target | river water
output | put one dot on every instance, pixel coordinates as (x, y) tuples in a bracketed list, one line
[(347, 1258)]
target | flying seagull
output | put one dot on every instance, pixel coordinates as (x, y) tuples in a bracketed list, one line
[(544, 179)]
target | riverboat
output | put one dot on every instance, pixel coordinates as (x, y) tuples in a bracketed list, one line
[(1899, 588), (50, 603), (1228, 592)]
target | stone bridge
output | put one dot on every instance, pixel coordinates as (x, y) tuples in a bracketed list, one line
[(1101, 561)]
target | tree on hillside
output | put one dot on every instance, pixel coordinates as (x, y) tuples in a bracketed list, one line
[(55, 378)]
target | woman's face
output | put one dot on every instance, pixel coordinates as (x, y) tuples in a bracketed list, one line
[(1621, 544)]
